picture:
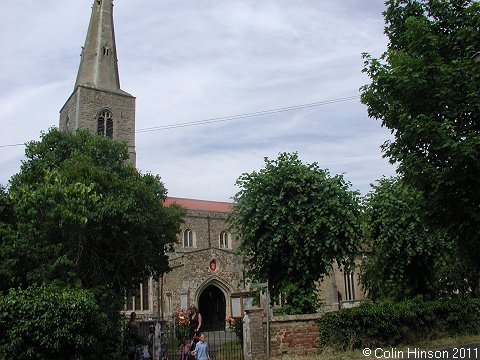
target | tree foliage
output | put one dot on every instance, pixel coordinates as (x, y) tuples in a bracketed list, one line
[(407, 257), (12, 260), (81, 212), (77, 216), (425, 89), (48, 322), (294, 221)]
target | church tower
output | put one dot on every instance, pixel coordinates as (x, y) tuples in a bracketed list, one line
[(97, 102)]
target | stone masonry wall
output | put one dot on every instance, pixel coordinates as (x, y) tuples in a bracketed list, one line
[(254, 334), (82, 108), (191, 274)]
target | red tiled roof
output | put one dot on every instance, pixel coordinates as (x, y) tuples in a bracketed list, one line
[(194, 204)]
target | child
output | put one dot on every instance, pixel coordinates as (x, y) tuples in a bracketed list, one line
[(184, 350), (201, 349)]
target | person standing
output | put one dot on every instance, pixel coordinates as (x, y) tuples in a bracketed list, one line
[(151, 338), (201, 349), (194, 321), (133, 339), (184, 349)]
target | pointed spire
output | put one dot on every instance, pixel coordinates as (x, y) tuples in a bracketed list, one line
[(98, 65)]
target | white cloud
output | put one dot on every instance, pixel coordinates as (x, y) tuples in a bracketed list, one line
[(189, 61)]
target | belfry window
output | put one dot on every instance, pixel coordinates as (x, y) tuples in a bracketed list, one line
[(105, 123)]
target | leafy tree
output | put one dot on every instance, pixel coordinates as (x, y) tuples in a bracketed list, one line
[(77, 215), (49, 322), (11, 264), (425, 89), (82, 213), (407, 258), (294, 221), (6, 209)]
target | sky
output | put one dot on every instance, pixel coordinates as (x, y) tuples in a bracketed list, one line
[(189, 61)]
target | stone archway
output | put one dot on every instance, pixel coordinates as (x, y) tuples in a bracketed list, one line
[(212, 306)]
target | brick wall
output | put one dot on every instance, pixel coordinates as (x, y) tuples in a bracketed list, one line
[(294, 334)]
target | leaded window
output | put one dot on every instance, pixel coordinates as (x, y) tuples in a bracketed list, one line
[(105, 123)]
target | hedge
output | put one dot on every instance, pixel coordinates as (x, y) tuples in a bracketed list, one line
[(48, 322), (391, 323)]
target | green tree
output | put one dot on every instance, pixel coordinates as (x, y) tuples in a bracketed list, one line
[(83, 213), (11, 265), (295, 221), (78, 215), (6, 209), (425, 89), (407, 258)]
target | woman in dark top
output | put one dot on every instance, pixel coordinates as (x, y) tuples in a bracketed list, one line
[(194, 321)]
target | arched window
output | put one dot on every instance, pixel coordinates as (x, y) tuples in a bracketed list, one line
[(188, 238), (224, 240), (105, 123), (139, 298), (349, 280), (106, 49)]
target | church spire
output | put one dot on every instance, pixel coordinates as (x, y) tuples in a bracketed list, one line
[(97, 103), (98, 65)]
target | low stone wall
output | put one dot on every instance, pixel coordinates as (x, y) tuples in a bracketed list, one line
[(292, 335)]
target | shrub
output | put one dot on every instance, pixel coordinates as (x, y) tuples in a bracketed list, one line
[(389, 324), (48, 322)]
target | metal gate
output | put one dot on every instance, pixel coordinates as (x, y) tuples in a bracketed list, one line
[(222, 344)]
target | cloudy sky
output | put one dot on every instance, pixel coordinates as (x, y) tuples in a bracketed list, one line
[(189, 61)]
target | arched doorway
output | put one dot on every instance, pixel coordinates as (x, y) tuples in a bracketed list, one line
[(212, 306)]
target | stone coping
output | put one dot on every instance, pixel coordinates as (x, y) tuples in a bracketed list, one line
[(302, 317)]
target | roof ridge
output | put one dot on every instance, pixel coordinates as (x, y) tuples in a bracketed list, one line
[(192, 199), (198, 204)]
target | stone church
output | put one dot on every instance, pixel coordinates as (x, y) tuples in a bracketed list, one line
[(205, 270)]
